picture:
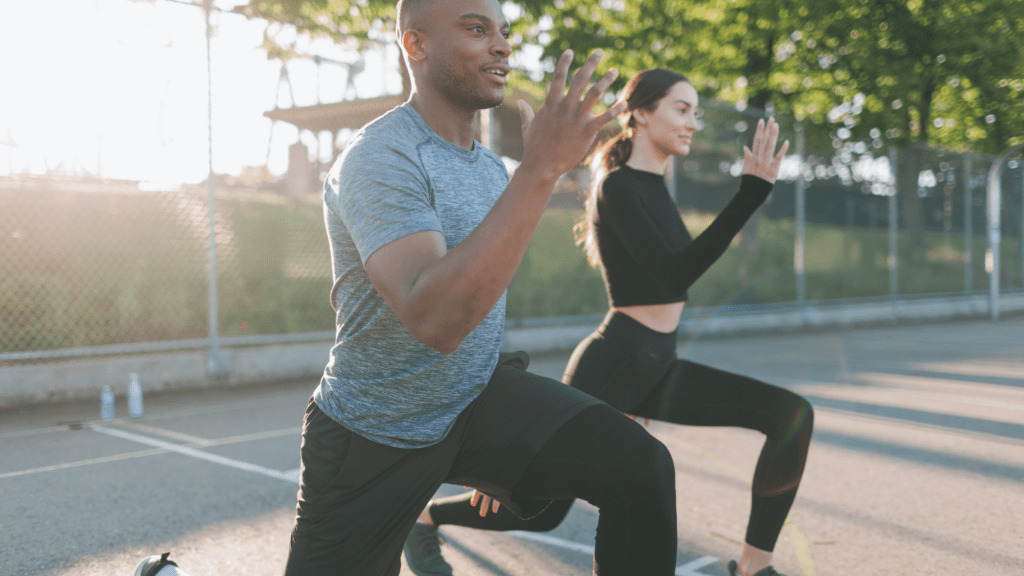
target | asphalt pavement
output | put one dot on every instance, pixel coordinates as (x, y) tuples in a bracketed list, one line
[(916, 467)]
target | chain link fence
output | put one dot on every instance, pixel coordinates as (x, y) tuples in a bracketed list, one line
[(92, 266), (877, 222), (89, 267)]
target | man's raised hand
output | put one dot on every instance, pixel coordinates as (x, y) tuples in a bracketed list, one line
[(556, 137)]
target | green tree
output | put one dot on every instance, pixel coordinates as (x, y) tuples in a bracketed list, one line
[(948, 74), (913, 61)]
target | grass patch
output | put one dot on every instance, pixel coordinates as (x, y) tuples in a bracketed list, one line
[(86, 269)]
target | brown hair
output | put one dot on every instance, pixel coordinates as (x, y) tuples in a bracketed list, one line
[(642, 92)]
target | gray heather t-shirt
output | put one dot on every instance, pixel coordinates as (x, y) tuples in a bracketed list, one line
[(397, 177)]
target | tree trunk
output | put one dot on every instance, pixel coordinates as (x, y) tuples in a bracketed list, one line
[(759, 68), (909, 166)]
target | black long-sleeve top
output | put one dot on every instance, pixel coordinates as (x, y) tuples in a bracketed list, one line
[(647, 255)]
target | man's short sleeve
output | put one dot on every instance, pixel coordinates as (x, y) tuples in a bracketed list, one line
[(380, 194)]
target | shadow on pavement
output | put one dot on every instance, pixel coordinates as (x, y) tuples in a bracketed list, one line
[(950, 421)]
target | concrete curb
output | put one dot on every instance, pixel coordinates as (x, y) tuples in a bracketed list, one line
[(54, 381), (565, 335), (26, 384)]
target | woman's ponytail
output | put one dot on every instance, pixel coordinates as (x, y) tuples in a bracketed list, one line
[(607, 157)]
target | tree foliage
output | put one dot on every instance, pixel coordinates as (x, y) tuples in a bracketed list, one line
[(947, 73)]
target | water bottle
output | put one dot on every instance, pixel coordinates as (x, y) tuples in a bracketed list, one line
[(159, 566), (107, 403), (134, 396)]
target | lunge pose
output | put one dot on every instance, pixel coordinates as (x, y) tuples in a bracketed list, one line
[(426, 231), (634, 234)]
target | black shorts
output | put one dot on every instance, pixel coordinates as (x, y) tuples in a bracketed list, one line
[(358, 499)]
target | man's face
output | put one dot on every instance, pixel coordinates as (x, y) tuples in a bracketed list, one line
[(468, 52)]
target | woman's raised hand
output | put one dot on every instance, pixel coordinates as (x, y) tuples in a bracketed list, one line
[(762, 161)]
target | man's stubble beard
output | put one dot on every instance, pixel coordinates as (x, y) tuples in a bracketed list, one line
[(458, 90)]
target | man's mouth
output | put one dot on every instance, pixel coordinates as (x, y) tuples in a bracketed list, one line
[(499, 70)]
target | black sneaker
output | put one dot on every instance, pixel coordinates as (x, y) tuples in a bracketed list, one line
[(767, 571), (423, 552)]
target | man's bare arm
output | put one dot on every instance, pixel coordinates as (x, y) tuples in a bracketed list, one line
[(442, 296)]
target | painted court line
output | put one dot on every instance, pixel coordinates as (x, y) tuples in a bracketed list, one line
[(143, 453), (194, 453), (691, 567), (552, 541), (290, 476), (688, 569), (188, 438), (91, 461)]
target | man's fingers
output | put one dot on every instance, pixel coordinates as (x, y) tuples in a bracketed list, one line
[(557, 88), (583, 75), (610, 113), (525, 115), (599, 88), (475, 498), (495, 505)]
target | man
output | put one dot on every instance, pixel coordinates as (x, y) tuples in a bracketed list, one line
[(426, 232)]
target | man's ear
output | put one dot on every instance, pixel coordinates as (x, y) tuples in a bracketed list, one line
[(412, 43)]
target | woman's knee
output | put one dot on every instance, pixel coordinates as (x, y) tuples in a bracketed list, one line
[(794, 415), (803, 416)]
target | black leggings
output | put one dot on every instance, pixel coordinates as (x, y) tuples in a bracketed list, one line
[(634, 491), (635, 370)]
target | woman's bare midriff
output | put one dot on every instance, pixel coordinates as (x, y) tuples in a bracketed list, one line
[(659, 317)]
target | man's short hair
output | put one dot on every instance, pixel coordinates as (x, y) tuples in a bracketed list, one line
[(408, 11)]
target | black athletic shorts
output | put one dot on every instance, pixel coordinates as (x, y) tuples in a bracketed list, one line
[(358, 499)]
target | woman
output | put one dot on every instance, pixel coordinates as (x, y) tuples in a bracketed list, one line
[(634, 234)]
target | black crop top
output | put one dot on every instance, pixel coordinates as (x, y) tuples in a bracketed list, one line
[(647, 255)]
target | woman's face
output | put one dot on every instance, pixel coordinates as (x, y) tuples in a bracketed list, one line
[(670, 126)]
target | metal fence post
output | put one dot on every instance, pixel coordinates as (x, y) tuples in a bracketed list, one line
[(968, 226), (992, 257), (801, 218), (893, 224), (216, 364), (994, 199)]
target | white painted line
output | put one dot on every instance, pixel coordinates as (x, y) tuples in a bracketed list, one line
[(33, 431), (295, 474), (115, 458), (688, 569), (552, 541), (101, 460), (192, 452), (189, 438), (691, 567)]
